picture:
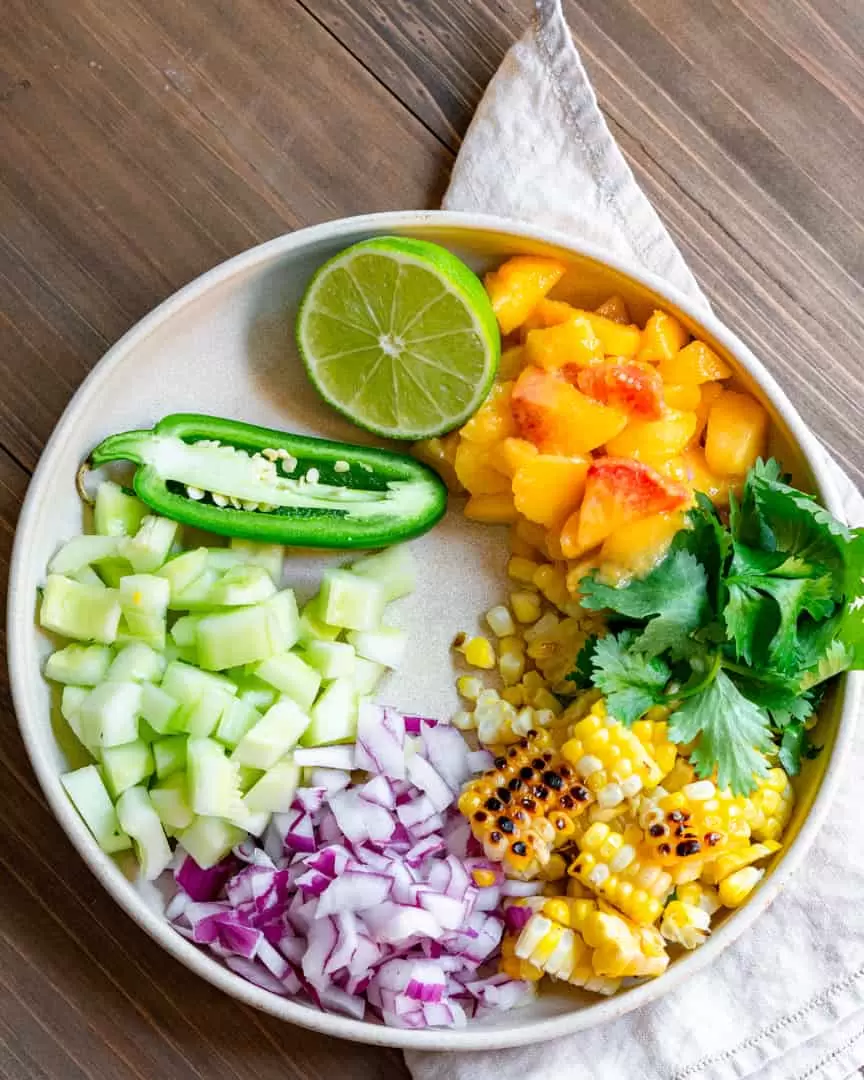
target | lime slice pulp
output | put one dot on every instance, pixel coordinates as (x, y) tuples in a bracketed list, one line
[(400, 337)]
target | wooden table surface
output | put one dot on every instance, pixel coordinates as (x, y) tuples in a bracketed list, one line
[(144, 141)]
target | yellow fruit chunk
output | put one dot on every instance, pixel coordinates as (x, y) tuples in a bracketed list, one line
[(700, 478), (638, 547), (685, 396), (615, 308), (549, 487), (531, 533), (512, 454), (736, 433), (615, 339), (559, 419), (440, 455), (567, 345), (493, 421), (474, 471), (654, 441), (491, 509), (709, 394), (548, 313), (695, 363), (511, 363), (518, 285), (662, 337)]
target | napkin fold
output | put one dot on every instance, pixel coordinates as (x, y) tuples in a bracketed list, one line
[(786, 1001)]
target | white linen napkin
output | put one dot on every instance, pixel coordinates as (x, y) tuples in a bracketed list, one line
[(786, 1001)]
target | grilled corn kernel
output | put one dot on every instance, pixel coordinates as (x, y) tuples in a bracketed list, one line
[(496, 722), (685, 924), (500, 621), (511, 667), (731, 861), (558, 910), (679, 827), (681, 773), (484, 878), (627, 887), (526, 606), (515, 695), (771, 806), (521, 569), (700, 895), (543, 699), (525, 721), (463, 720), (653, 734), (479, 653), (469, 686), (735, 889), (603, 751)]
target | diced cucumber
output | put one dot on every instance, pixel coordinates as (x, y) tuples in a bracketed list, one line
[(274, 792), (115, 512), (146, 732), (386, 645), (257, 694), (148, 549), (334, 715), (82, 612), (185, 629), (284, 604), (241, 586), (243, 636), (146, 629), (109, 714), (196, 596), (209, 839), (202, 716), (112, 571), (137, 663), (88, 576), (125, 766), (273, 736), (144, 594), (79, 665), (171, 802), (72, 699), (249, 822), (312, 626), (182, 570), (355, 603), (83, 551), (332, 659), (238, 718), (394, 569), (270, 556), (248, 777), (292, 675), (158, 708), (214, 783), (367, 675), (90, 798), (138, 817), (169, 755), (221, 559), (187, 684)]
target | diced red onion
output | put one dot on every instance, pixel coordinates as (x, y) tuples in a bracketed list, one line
[(332, 780), (204, 884), (379, 791), (354, 891), (380, 746), (435, 788), (512, 887)]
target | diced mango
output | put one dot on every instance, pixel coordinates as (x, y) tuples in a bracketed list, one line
[(493, 421), (709, 394), (615, 308), (475, 472), (627, 385), (558, 419), (511, 454), (440, 455), (615, 339), (549, 487), (736, 433), (700, 478), (639, 546), (548, 313), (566, 346), (491, 509), (662, 337), (682, 396), (511, 363), (695, 363), (518, 285), (654, 441)]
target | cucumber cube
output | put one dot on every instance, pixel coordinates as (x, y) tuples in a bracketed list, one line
[(112, 571), (169, 755), (185, 629), (115, 512), (214, 783), (148, 549), (71, 701), (243, 636), (241, 586), (125, 766), (137, 663), (334, 715), (146, 629), (248, 777), (90, 798), (273, 736), (109, 715), (196, 596), (182, 570), (88, 576), (222, 559), (274, 792), (82, 612), (394, 569), (158, 708), (331, 659), (83, 551), (238, 718), (367, 675), (270, 556), (202, 716), (284, 604), (312, 626), (139, 819), (385, 645), (79, 665), (349, 601), (292, 675), (209, 839), (187, 684), (171, 802), (257, 694), (144, 594)]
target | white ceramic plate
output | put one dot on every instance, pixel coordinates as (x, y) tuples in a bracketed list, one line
[(224, 345)]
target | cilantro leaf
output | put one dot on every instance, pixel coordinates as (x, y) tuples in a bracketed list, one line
[(852, 626), (796, 745), (732, 734), (631, 681), (674, 592), (708, 541), (582, 674), (837, 657)]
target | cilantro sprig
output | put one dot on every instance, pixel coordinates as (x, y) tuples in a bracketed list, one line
[(737, 628)]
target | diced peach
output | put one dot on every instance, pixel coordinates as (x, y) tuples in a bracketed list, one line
[(566, 346), (633, 387), (493, 421), (548, 313), (615, 308), (553, 415), (709, 394), (695, 363), (511, 454), (491, 509), (638, 546), (654, 441), (618, 491), (518, 285), (699, 477), (549, 487), (475, 472), (440, 455), (662, 337), (736, 433), (511, 363), (682, 396), (615, 339)]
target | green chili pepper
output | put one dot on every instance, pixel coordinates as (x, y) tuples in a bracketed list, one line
[(240, 480)]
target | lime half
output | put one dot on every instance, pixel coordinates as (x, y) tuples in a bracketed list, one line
[(400, 337)]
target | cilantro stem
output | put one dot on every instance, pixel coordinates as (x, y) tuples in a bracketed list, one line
[(710, 675)]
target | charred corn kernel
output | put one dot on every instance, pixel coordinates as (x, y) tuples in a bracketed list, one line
[(771, 805), (601, 848), (497, 509), (479, 653), (735, 889), (603, 751), (544, 625), (500, 621), (484, 878), (526, 605), (511, 667), (470, 687), (653, 734), (463, 720), (699, 895), (558, 911), (731, 861), (685, 924), (515, 695), (689, 828), (522, 569)]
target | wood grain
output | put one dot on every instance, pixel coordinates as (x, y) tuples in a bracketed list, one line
[(143, 141)]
